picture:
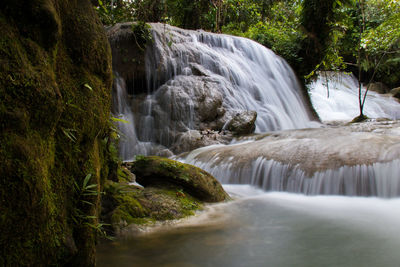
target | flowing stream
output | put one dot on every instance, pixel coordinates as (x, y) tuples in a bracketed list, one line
[(271, 229), (295, 204)]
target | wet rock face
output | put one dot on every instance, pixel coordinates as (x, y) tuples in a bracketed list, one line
[(243, 123), (395, 92), (128, 56), (379, 88), (193, 139)]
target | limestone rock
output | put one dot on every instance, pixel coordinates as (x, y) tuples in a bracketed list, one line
[(243, 123), (193, 139)]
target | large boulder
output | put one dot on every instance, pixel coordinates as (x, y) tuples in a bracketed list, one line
[(155, 171), (55, 96), (172, 190)]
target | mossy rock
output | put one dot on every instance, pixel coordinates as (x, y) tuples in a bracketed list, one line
[(157, 171), (55, 98), (127, 208), (359, 118)]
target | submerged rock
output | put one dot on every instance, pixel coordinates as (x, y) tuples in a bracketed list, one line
[(360, 159)]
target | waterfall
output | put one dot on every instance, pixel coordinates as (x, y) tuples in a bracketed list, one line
[(378, 179), (197, 80), (129, 144), (359, 160), (248, 75), (335, 97)]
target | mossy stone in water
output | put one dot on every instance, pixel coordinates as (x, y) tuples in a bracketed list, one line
[(156, 171), (127, 208)]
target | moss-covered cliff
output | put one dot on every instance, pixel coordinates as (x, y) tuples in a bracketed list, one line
[(55, 80)]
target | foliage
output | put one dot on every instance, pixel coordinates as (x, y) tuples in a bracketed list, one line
[(190, 14), (86, 195), (142, 34), (381, 42), (114, 11), (275, 27)]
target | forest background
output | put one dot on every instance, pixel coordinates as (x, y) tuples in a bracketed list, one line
[(359, 36)]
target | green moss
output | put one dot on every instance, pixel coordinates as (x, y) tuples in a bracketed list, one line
[(48, 50), (124, 204), (157, 170), (359, 118)]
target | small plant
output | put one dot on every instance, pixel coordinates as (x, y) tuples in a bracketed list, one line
[(70, 134), (80, 217), (88, 86), (141, 32), (180, 193)]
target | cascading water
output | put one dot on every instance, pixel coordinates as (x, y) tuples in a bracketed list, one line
[(198, 80), (361, 160), (129, 144), (335, 97), (247, 75)]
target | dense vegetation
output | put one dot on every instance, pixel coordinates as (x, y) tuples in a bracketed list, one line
[(311, 35)]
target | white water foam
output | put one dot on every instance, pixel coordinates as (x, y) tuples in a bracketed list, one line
[(335, 98)]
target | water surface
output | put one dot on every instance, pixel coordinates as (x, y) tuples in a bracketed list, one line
[(271, 229)]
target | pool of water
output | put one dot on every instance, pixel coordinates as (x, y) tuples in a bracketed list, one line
[(271, 229)]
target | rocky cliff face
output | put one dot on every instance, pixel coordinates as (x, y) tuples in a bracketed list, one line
[(55, 80)]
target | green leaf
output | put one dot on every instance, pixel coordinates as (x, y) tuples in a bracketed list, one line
[(88, 86), (87, 202), (68, 133), (91, 186), (119, 120), (87, 178)]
